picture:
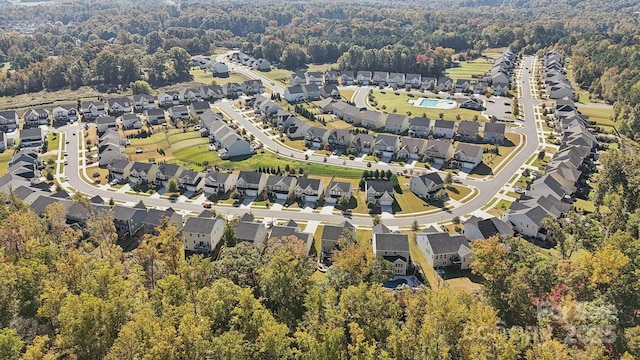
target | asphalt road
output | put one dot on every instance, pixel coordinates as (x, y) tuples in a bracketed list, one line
[(487, 188)]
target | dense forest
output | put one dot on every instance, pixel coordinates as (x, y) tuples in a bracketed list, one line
[(69, 295)]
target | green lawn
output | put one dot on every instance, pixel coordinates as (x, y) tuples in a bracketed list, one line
[(179, 136), (409, 202), (468, 68), (199, 144), (457, 192), (5, 157), (391, 101), (280, 75), (206, 78), (322, 67), (602, 117), (53, 141), (493, 52), (585, 205), (500, 208)]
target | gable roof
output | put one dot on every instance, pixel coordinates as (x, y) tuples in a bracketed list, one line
[(250, 177), (443, 243), (391, 242)]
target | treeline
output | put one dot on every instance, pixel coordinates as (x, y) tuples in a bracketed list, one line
[(65, 294), (608, 67)]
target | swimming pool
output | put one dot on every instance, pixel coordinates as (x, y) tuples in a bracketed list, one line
[(394, 284), (429, 102)]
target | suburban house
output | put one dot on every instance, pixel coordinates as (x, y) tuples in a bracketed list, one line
[(251, 183), (251, 87), (199, 107), (444, 84), (119, 106), (297, 79), (308, 190), (379, 192), (167, 172), (363, 78), (189, 95), (411, 148), (251, 232), (438, 152), (294, 94), (212, 93), (330, 77), (202, 234), (168, 99), (527, 220), (314, 77), (396, 123), (468, 130), (347, 77), (316, 137), (396, 79), (337, 190), (261, 65), (494, 133), (105, 123), (371, 119), (131, 121), (311, 92), (330, 92), (326, 105), (393, 247), (64, 113), (361, 144), (386, 145), (156, 218), (232, 90), (179, 112), (442, 249), (476, 228), (31, 138), (127, 220), (467, 156), (427, 185), (191, 181), (420, 127), (219, 69), (233, 145), (155, 116), (92, 109), (428, 83), (444, 129), (3, 141), (462, 85), (143, 102), (36, 117), (480, 88), (331, 236), (294, 128), (413, 80), (120, 169), (217, 182), (280, 187), (142, 173), (339, 138), (379, 78), (8, 120)]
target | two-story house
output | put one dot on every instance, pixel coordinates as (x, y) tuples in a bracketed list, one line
[(467, 156), (420, 127), (191, 181), (339, 138), (202, 234), (396, 124), (438, 152), (168, 99), (127, 220), (363, 78), (331, 237), (281, 187), (386, 145), (142, 173), (143, 102), (166, 173), (442, 249), (119, 106), (155, 116), (337, 190), (308, 190), (120, 169), (427, 185), (393, 247), (347, 77), (8, 120), (36, 117), (362, 144), (494, 133), (217, 182), (92, 109), (412, 148), (251, 183), (444, 129), (468, 131), (379, 192), (156, 218)]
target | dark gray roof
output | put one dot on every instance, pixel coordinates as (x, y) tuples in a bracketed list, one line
[(444, 124), (155, 112), (250, 177), (40, 204), (200, 225), (380, 186), (154, 217), (250, 231), (420, 121), (304, 183), (396, 118), (275, 179), (443, 243), (124, 213), (206, 214), (247, 217), (391, 242), (389, 140), (432, 177), (169, 170), (32, 132), (200, 105), (468, 126), (497, 128), (381, 229), (334, 232), (141, 166), (341, 185)]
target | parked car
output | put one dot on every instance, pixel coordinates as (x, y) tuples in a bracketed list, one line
[(206, 205), (518, 190)]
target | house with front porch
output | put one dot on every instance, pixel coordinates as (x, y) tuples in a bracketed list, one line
[(339, 139), (92, 109), (212, 93), (413, 80), (330, 77), (467, 156), (142, 173), (143, 102), (130, 121), (444, 84), (316, 137), (428, 83), (36, 117), (412, 148), (280, 187), (8, 120), (232, 90), (361, 144), (363, 78), (396, 79), (379, 192), (64, 113), (120, 169), (218, 183), (308, 190), (337, 190), (380, 78), (251, 87), (438, 152), (191, 181), (167, 172), (119, 106), (251, 183), (386, 145), (347, 77), (313, 77)]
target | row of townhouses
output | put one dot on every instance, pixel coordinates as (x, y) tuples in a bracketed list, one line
[(556, 83)]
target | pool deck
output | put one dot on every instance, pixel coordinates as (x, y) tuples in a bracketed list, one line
[(440, 104)]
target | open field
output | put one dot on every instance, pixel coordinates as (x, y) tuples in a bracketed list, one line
[(390, 101), (468, 68), (206, 78), (269, 160), (493, 52), (347, 94), (457, 192), (48, 100), (280, 75), (322, 67), (603, 116), (5, 157)]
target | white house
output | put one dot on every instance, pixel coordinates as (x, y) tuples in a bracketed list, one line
[(202, 234), (294, 94), (396, 123), (119, 106), (527, 221), (143, 102), (444, 129), (219, 183), (476, 228)]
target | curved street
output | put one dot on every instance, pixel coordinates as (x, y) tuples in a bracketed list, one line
[(487, 187)]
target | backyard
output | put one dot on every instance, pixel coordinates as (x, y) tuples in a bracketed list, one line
[(468, 68), (206, 78)]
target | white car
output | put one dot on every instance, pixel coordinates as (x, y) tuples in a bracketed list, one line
[(518, 190), (113, 182)]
